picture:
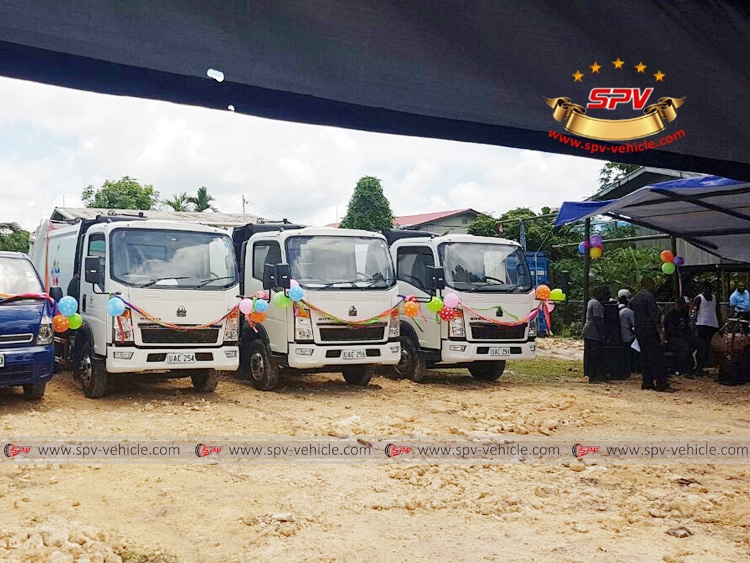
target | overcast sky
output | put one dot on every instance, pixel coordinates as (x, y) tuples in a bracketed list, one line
[(54, 142)]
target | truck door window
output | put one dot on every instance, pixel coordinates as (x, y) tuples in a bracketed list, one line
[(98, 247), (265, 253), (412, 263)]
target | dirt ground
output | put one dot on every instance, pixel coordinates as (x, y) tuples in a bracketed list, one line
[(151, 513)]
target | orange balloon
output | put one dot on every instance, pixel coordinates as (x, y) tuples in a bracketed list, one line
[(543, 292), (667, 256), (257, 317), (411, 309), (60, 323), (595, 253)]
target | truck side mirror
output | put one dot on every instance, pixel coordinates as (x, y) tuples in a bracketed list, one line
[(283, 276), (56, 293), (269, 276), (435, 277), (92, 269)]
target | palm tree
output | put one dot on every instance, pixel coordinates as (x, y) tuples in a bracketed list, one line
[(202, 201), (179, 202)]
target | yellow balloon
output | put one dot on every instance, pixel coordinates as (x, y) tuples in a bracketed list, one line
[(595, 253)]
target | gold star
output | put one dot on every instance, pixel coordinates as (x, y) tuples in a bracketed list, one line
[(577, 76), (659, 76), (618, 63), (595, 68), (641, 67)]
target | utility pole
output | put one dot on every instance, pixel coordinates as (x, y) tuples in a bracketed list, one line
[(586, 269), (243, 204)]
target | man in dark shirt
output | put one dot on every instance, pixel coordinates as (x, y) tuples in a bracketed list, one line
[(678, 338), (646, 315)]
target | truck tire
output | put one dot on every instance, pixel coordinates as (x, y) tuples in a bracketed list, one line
[(34, 392), (91, 373), (412, 363), (487, 371), (359, 375), (262, 371), (204, 380)]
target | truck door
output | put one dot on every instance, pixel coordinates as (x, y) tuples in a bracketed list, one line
[(93, 302), (276, 325), (411, 271)]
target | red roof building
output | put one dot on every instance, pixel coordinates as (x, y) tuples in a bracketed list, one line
[(440, 222)]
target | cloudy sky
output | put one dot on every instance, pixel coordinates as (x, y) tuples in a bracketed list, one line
[(54, 142)]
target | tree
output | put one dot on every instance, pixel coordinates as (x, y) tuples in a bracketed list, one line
[(179, 202), (202, 200), (612, 172), (126, 193), (368, 209), (13, 238)]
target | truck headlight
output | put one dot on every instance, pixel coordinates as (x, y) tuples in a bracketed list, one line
[(394, 325), (533, 327), (232, 327), (303, 329), (122, 328), (46, 334), (456, 328)]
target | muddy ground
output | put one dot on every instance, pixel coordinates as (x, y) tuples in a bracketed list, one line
[(139, 513)]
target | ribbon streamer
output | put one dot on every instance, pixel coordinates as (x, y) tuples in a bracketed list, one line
[(154, 320)]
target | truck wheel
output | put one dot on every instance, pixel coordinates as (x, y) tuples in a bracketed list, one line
[(487, 371), (204, 380), (91, 373), (34, 392), (358, 375), (263, 371), (412, 364)]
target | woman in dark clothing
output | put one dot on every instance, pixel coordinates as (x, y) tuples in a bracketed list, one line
[(593, 336)]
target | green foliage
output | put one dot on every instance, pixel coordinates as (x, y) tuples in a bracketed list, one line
[(13, 238), (368, 208), (202, 201), (541, 234), (179, 202), (611, 172), (126, 193)]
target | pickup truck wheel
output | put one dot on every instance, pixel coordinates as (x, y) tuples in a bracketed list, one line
[(262, 370), (487, 371), (359, 375), (34, 392), (205, 380), (412, 364), (91, 373)]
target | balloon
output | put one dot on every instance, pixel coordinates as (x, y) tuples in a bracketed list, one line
[(246, 306), (667, 256), (293, 283), (581, 248), (678, 261), (281, 301), (557, 295), (596, 241), (60, 323), (450, 300), (447, 314), (411, 309), (668, 268), (261, 305), (257, 316), (543, 293), (296, 293), (75, 321), (435, 304), (550, 306), (115, 306), (67, 305), (595, 253), (261, 294)]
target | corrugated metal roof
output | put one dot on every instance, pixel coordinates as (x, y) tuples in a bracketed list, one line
[(206, 218)]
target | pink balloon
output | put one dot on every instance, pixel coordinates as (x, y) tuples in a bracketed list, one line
[(293, 283), (550, 306), (450, 300), (246, 306)]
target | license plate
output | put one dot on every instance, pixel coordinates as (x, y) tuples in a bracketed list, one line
[(180, 358), (353, 354), (499, 351), (2, 360)]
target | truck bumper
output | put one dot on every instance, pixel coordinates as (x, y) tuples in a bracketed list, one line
[(454, 351), (226, 358), (308, 356), (27, 366)]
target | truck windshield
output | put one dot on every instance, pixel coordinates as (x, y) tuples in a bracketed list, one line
[(485, 267), (159, 259), (336, 262), (17, 275)]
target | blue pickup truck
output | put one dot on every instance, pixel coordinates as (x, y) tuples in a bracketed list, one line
[(27, 355)]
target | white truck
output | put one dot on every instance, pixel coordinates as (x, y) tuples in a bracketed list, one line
[(490, 276), (350, 323), (179, 276)]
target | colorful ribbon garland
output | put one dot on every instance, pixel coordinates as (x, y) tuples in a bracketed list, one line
[(154, 320)]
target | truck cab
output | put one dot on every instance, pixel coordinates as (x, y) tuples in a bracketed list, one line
[(492, 281), (27, 356), (348, 320)]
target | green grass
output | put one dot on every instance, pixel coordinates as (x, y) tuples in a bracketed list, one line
[(542, 370)]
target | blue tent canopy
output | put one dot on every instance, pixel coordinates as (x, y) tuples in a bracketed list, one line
[(710, 212)]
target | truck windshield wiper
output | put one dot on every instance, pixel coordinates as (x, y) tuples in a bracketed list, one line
[(372, 280), (152, 282), (208, 281)]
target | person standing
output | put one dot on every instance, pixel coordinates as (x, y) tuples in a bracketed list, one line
[(678, 337), (593, 336), (627, 334), (646, 320), (740, 302), (706, 325)]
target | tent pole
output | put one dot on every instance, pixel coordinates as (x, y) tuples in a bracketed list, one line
[(586, 269), (675, 278)]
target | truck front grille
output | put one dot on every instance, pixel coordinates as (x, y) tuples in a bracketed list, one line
[(352, 334), (155, 334), (486, 331), (8, 339)]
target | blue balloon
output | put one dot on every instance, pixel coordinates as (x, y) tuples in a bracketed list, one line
[(296, 293), (261, 305), (67, 306), (581, 249), (115, 307)]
